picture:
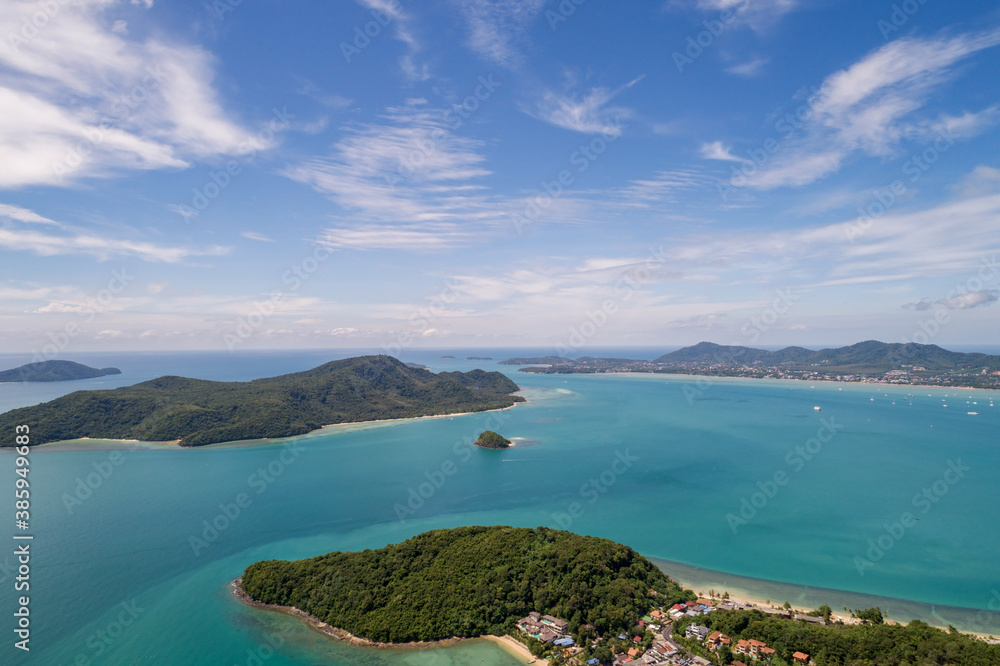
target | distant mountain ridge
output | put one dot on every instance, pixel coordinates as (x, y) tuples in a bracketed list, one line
[(54, 371), (197, 411), (870, 355)]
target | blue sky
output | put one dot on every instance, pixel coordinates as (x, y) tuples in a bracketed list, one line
[(393, 173)]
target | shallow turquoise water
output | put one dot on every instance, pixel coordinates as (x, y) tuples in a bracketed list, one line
[(685, 459)]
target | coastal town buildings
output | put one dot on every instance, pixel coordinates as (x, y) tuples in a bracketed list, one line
[(545, 628), (664, 651), (696, 631)]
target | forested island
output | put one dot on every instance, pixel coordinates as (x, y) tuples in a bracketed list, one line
[(195, 412), (55, 371), (492, 440), (467, 582), (870, 361)]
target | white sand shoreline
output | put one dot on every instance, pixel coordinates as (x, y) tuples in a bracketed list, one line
[(743, 597), (174, 445)]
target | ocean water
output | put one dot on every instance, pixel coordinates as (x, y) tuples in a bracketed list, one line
[(127, 568)]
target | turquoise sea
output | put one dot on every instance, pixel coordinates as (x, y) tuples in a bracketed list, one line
[(127, 567)]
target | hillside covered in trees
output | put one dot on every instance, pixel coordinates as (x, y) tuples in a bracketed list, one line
[(199, 412), (870, 644), (468, 581)]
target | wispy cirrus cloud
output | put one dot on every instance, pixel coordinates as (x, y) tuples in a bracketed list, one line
[(662, 187), (748, 68), (80, 98), (589, 113), (757, 14), (409, 237), (256, 236), (68, 240), (869, 106), (402, 25), (406, 181), (24, 215), (496, 27)]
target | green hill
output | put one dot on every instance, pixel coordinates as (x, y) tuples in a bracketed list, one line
[(54, 371), (468, 581), (199, 412)]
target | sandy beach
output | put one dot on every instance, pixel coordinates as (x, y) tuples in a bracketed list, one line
[(749, 601), (513, 647), (83, 443)]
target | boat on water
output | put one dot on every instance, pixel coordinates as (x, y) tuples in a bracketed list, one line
[(972, 413), (817, 408)]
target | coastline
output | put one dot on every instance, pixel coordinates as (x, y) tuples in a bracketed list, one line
[(174, 445), (768, 594), (744, 602), (507, 643), (696, 377)]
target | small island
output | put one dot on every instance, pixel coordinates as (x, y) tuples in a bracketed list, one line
[(492, 440), (448, 356), (55, 371), (478, 358), (194, 412)]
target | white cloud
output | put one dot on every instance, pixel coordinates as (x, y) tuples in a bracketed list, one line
[(496, 26), (967, 125), (253, 235), (24, 215), (758, 14), (716, 151), (983, 180), (749, 68), (413, 238), (661, 188), (951, 239), (70, 240), (392, 11), (589, 113), (405, 181), (81, 99), (972, 299), (864, 108)]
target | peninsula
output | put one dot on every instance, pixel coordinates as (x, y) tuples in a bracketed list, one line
[(870, 361), (195, 412), (573, 599), (468, 582), (54, 371)]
